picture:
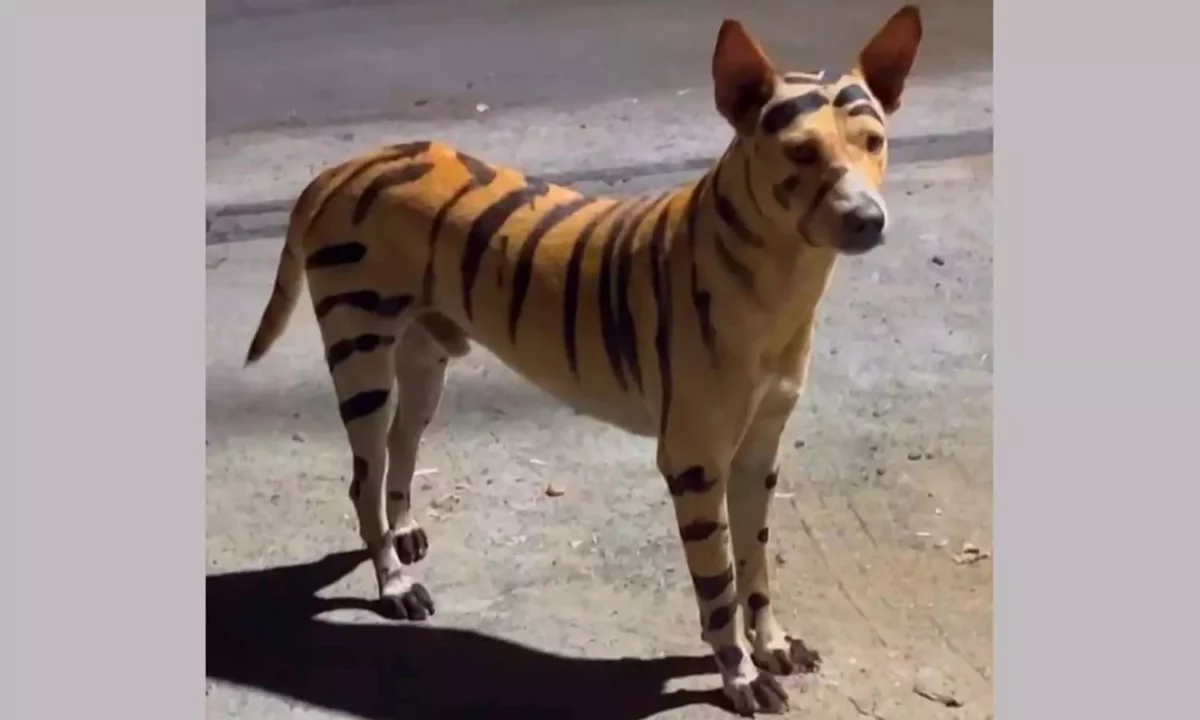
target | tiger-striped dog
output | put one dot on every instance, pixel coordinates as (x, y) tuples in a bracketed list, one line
[(686, 315)]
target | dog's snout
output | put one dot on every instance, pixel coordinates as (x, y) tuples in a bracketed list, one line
[(862, 227)]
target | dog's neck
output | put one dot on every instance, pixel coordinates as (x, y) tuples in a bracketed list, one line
[(756, 271)]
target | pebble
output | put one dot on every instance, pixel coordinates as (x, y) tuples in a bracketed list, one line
[(914, 455), (933, 685), (937, 260), (297, 437)]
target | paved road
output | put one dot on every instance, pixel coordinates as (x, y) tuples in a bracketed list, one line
[(312, 62)]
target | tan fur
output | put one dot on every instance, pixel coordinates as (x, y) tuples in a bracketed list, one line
[(686, 315)]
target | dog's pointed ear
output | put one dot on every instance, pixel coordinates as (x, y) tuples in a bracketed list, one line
[(743, 78), (885, 62)]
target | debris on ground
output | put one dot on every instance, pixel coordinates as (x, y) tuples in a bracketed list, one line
[(446, 502), (937, 260), (298, 437), (914, 456), (971, 554), (553, 490), (933, 685)]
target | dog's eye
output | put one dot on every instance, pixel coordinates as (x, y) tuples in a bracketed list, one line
[(874, 143), (806, 153)]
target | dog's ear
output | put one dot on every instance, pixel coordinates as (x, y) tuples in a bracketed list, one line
[(743, 78), (885, 62)]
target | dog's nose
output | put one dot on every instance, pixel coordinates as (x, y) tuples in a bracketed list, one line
[(862, 227)]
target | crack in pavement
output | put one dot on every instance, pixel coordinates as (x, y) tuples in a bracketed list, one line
[(272, 215)]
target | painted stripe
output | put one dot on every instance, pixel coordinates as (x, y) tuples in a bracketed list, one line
[(343, 350), (701, 299), (365, 300), (850, 95), (691, 480), (332, 256), (782, 114), (732, 265), (608, 320), (711, 587), (626, 326), (388, 179), (572, 286), (523, 271), (482, 174), (660, 280), (483, 231), (429, 279), (362, 404)]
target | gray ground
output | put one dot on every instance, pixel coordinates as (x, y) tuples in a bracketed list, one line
[(579, 605)]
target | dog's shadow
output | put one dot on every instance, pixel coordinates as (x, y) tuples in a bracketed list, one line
[(263, 632)]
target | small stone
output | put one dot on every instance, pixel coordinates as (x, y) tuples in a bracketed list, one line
[(779, 559), (928, 456), (421, 103), (934, 685), (298, 437), (937, 260), (914, 456), (798, 444), (881, 471), (553, 491)]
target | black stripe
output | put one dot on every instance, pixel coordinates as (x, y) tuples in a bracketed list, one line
[(691, 480), (343, 349), (748, 177), (362, 404), (729, 215), (711, 587), (571, 287), (849, 95), (366, 300), (483, 231), (481, 173), (698, 530), (358, 477), (735, 267), (865, 109), (335, 255), (609, 331), (756, 603), (783, 190), (525, 255), (386, 180), (720, 617), (626, 326), (660, 282), (784, 113), (502, 243), (701, 299), (405, 151), (435, 229)]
